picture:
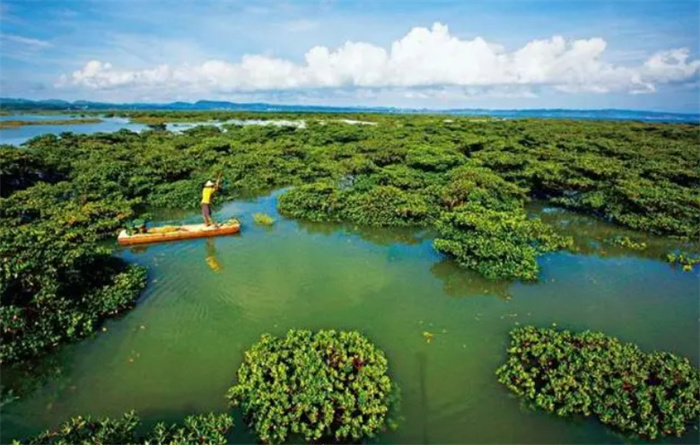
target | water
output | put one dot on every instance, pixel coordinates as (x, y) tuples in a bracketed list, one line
[(38, 117), (20, 135), (209, 300), (604, 115), (179, 127)]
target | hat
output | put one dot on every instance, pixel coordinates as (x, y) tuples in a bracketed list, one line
[(209, 184)]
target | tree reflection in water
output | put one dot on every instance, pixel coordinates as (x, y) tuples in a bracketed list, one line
[(460, 282), (211, 259)]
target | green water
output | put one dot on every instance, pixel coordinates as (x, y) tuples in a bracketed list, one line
[(208, 300)]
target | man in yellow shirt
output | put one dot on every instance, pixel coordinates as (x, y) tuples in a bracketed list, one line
[(207, 193)]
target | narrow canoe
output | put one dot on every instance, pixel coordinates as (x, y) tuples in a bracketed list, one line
[(157, 234)]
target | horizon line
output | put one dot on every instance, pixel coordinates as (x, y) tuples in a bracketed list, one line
[(359, 107)]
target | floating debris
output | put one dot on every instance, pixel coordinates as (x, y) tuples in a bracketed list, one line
[(428, 336)]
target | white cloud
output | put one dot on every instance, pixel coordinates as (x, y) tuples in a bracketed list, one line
[(428, 60), (671, 66), (26, 41)]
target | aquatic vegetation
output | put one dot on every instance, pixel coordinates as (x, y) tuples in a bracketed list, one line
[(203, 428), (685, 259), (497, 244), (650, 395), (58, 314), (466, 178), (625, 241), (20, 169), (49, 288), (381, 206), (263, 219), (323, 386), (320, 201)]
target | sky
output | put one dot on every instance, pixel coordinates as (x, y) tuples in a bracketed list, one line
[(631, 54)]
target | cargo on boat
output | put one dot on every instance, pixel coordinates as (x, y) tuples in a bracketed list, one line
[(175, 233)]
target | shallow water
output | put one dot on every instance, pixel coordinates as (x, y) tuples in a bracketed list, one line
[(179, 127), (209, 300), (37, 117), (20, 135)]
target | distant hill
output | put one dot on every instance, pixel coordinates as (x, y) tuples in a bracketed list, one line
[(11, 104), (23, 105)]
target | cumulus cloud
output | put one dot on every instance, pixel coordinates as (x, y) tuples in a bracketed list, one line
[(425, 59)]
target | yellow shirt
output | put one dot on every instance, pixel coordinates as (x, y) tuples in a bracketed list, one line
[(206, 195)]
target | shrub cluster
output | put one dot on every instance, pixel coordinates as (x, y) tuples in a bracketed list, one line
[(204, 428), (647, 394), (263, 219), (323, 386), (625, 241), (57, 282), (495, 243), (685, 259), (383, 205)]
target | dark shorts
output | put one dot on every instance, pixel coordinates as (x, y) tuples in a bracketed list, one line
[(206, 211)]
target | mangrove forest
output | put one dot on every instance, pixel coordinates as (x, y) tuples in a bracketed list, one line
[(374, 250)]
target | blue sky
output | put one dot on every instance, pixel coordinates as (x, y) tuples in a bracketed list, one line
[(640, 54)]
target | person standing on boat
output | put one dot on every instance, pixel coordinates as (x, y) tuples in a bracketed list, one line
[(207, 195)]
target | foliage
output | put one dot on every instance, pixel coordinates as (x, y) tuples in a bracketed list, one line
[(497, 244), (323, 386), (647, 394), (373, 205), (204, 428), (320, 201), (469, 179), (49, 288), (263, 219), (685, 259), (20, 169), (625, 241), (58, 312)]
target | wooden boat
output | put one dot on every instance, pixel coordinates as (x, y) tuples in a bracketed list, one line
[(175, 233)]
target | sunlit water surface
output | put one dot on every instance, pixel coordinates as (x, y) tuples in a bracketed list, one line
[(20, 135), (209, 300)]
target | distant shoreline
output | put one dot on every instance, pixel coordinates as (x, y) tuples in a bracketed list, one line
[(19, 123), (55, 106)]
